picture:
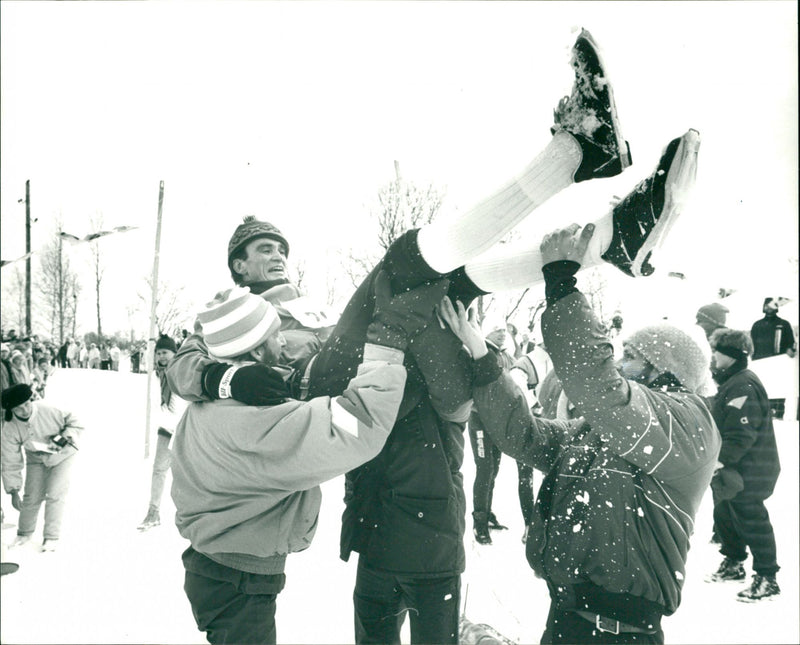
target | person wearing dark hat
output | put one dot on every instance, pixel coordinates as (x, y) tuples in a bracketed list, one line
[(711, 317), (773, 336), (246, 478), (168, 411), (749, 467), (40, 440), (624, 480)]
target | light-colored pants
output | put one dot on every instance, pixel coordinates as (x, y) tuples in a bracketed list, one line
[(48, 484), (161, 462)]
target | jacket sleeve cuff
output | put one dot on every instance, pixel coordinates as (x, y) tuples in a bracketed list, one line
[(559, 279), (383, 353), (486, 369)]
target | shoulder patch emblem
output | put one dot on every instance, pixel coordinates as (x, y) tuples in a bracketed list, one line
[(738, 402)]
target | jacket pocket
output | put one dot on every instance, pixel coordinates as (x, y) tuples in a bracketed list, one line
[(419, 535)]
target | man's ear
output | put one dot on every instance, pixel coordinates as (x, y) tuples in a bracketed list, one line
[(237, 265)]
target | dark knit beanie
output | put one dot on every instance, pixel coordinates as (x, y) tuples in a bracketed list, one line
[(249, 230), (15, 395), (165, 342), (732, 342)]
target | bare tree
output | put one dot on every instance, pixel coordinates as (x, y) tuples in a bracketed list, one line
[(59, 286), (402, 205), (13, 315), (173, 311)]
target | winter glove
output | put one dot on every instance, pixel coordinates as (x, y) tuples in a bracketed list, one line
[(254, 384), (398, 318), (16, 502), (726, 483)]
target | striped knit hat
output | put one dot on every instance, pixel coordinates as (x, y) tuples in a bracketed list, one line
[(237, 321)]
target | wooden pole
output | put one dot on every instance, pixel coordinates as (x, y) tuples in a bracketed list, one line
[(28, 325), (151, 340)]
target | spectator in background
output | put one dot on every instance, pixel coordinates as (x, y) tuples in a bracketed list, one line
[(5, 367), (136, 357), (61, 356), (712, 317), (114, 356), (748, 467), (487, 457), (105, 357), (40, 374), (83, 355), (72, 353), (19, 368), (168, 411), (93, 359), (772, 335), (41, 440)]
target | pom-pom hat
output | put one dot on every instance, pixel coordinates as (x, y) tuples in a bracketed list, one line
[(249, 230), (165, 342), (674, 350), (237, 321)]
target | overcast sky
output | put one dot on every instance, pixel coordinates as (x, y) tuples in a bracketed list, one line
[(295, 112)]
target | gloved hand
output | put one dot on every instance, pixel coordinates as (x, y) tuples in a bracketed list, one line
[(397, 318), (726, 483), (16, 501), (254, 384)]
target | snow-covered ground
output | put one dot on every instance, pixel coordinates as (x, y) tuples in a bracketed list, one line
[(108, 583)]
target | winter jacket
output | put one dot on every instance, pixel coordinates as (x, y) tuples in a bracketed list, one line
[(405, 509), (34, 436), (742, 413), (303, 341), (246, 479), (616, 509), (167, 408), (772, 336)]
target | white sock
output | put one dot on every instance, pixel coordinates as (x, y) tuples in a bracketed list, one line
[(507, 267), (447, 244)]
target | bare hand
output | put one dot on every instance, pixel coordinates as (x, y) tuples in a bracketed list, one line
[(464, 326), (566, 244)]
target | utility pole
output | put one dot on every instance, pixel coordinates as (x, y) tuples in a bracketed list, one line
[(28, 259), (151, 341)]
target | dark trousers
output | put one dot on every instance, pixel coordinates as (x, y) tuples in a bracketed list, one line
[(487, 464), (231, 606), (382, 599), (570, 628), (445, 367), (743, 522)]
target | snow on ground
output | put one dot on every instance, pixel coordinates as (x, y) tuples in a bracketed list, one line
[(108, 583)]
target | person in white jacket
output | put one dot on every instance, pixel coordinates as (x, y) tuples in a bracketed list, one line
[(169, 411), (245, 479), (40, 440)]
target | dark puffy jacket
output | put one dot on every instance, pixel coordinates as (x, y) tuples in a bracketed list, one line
[(405, 509), (741, 410), (616, 510)]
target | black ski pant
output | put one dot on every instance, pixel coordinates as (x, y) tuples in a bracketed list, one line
[(741, 523), (231, 606), (382, 599), (487, 464)]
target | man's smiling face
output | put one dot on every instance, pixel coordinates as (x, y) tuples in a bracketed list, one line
[(265, 260)]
